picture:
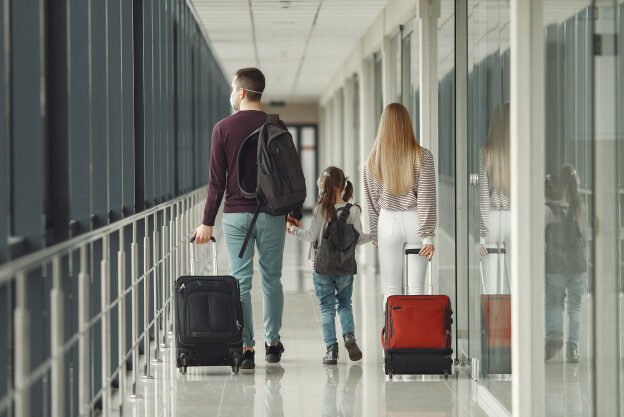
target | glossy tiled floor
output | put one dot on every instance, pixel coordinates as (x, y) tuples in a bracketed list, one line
[(301, 386)]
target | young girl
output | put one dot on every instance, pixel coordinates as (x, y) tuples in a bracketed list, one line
[(566, 261), (335, 191)]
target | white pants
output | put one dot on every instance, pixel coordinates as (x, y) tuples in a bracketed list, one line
[(396, 229), (496, 273)]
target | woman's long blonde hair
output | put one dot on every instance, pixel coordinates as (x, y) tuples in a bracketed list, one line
[(396, 152), (497, 150)]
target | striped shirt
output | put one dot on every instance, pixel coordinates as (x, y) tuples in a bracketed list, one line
[(490, 198), (422, 196)]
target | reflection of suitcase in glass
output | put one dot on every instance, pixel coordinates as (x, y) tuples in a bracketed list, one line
[(496, 325)]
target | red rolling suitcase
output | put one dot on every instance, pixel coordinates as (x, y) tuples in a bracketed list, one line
[(417, 333), (496, 323)]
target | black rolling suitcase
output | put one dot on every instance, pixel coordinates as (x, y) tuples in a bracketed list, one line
[(209, 319)]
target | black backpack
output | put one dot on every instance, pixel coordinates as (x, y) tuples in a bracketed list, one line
[(336, 255), (280, 186), (565, 244)]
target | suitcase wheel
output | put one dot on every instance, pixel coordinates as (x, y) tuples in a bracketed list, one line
[(236, 362), (182, 362), (390, 375)]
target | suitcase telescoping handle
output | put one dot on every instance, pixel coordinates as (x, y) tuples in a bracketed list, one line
[(416, 251), (498, 250), (214, 255)]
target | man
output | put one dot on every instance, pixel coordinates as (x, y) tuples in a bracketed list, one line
[(268, 233)]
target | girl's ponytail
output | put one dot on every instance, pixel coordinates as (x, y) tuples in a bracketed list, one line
[(348, 191)]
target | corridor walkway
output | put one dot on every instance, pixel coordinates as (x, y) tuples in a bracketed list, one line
[(300, 385)]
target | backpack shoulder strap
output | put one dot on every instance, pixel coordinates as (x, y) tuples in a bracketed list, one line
[(344, 215), (273, 118), (239, 174)]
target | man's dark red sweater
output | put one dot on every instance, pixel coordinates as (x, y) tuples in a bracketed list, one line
[(227, 138)]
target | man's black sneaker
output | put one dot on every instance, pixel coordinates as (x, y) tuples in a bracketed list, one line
[(274, 353), (248, 360), (331, 357)]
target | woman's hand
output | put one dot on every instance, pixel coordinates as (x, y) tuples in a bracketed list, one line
[(427, 250)]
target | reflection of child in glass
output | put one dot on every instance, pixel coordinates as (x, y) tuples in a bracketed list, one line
[(566, 261)]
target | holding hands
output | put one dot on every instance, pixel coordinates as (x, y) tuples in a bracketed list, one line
[(291, 221)]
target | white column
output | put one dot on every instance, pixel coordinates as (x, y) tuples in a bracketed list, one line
[(527, 206), (428, 14), (348, 134), (607, 229)]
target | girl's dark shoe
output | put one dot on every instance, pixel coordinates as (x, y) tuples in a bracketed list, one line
[(248, 360), (355, 354), (572, 354), (331, 357), (553, 345)]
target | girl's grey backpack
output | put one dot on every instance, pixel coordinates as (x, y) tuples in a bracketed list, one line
[(336, 255)]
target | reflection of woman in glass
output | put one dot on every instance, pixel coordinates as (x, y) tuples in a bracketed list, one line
[(494, 188), (566, 260)]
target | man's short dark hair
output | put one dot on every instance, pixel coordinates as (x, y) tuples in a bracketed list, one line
[(250, 79)]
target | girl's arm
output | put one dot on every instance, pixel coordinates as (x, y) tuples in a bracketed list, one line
[(357, 224), (372, 201), (313, 232), (426, 199)]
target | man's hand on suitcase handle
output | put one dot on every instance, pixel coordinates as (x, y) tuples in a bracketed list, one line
[(203, 234)]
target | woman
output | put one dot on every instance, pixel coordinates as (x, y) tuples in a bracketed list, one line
[(399, 181), (495, 204)]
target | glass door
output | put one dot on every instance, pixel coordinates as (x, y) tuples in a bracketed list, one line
[(488, 157)]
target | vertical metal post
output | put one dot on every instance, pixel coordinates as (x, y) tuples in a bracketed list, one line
[(157, 272), (22, 347), (172, 273), (84, 368), (56, 341), (146, 302), (121, 319), (134, 255), (105, 327), (163, 294)]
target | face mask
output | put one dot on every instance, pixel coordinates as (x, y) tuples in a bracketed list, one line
[(320, 191), (232, 101)]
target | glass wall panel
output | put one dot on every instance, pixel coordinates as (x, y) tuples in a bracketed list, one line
[(394, 65), (489, 297), (410, 73), (568, 206), (620, 165), (378, 99), (356, 122)]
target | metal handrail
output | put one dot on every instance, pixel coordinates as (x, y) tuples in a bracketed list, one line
[(28, 262), (165, 257)]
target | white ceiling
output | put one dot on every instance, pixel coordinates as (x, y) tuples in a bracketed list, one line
[(299, 44)]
